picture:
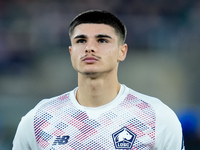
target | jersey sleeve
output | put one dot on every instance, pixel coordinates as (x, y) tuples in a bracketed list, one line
[(168, 130), (24, 137)]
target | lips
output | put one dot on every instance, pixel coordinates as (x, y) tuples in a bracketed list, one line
[(90, 60)]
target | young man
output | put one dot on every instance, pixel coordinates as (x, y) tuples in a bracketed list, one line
[(100, 113)]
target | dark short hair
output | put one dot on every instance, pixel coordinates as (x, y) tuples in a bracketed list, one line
[(99, 17)]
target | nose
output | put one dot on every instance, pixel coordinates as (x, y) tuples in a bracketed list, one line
[(90, 48)]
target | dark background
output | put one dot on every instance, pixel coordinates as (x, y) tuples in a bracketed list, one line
[(163, 58)]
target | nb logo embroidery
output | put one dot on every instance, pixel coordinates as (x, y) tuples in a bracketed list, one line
[(61, 140), (123, 138)]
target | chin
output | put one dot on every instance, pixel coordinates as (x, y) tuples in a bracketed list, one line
[(92, 75), (90, 70)]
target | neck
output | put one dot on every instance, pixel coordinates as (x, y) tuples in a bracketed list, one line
[(95, 92)]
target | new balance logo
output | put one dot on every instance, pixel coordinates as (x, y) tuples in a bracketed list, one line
[(61, 140)]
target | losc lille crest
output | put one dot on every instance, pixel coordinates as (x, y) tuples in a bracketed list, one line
[(123, 138)]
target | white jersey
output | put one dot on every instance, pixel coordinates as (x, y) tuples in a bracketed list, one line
[(131, 121)]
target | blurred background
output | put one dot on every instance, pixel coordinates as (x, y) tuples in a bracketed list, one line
[(163, 58)]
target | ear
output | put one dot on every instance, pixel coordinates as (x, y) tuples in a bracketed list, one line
[(70, 49), (122, 52)]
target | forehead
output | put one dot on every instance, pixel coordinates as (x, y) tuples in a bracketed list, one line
[(93, 29)]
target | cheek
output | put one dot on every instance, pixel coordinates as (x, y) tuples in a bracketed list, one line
[(74, 57), (77, 51), (112, 53)]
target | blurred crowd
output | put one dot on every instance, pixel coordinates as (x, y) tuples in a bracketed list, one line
[(34, 41)]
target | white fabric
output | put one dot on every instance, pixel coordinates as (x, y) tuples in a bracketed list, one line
[(153, 124)]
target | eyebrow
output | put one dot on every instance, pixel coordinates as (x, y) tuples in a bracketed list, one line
[(103, 36), (82, 36)]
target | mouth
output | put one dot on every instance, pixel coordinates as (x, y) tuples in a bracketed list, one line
[(90, 60)]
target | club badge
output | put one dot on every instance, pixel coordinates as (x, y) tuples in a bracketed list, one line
[(123, 138)]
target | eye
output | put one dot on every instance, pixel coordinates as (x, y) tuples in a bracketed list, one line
[(81, 41), (102, 41)]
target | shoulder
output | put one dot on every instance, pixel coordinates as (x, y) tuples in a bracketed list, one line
[(153, 102), (25, 135), (162, 111), (156, 104), (55, 101), (168, 130)]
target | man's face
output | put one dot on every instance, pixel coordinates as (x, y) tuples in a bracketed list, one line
[(95, 49)]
